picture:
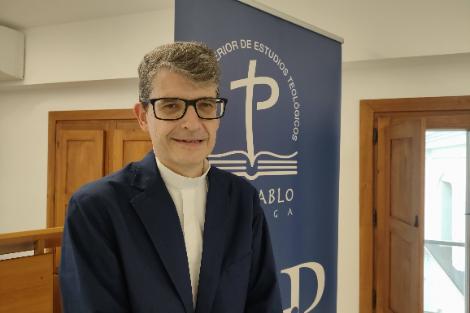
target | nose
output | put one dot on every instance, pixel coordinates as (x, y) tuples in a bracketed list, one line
[(190, 120)]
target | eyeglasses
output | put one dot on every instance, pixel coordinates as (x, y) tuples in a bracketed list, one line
[(170, 109)]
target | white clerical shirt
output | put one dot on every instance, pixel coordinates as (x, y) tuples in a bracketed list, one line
[(189, 196)]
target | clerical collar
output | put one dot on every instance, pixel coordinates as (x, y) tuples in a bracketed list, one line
[(178, 181)]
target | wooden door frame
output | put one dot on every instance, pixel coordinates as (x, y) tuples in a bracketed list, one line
[(54, 118), (369, 109)]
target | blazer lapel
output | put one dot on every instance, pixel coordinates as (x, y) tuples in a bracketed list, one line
[(157, 212), (213, 241)]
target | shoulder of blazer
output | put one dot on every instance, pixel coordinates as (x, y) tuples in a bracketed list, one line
[(125, 182)]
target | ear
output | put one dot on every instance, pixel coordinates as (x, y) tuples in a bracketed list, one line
[(141, 114)]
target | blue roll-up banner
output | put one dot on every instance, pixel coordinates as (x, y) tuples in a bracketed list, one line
[(281, 131)]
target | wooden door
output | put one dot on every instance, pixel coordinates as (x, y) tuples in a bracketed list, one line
[(80, 155), (377, 194), (130, 143), (80, 159), (399, 204), (84, 146), (86, 150)]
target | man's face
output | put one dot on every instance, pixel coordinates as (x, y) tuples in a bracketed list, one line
[(181, 145)]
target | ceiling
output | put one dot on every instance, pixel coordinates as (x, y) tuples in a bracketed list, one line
[(23, 14), (372, 29), (380, 29)]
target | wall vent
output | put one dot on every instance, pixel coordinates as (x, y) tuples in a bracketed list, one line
[(11, 54)]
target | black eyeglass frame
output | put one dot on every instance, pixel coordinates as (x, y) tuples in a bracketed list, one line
[(187, 104)]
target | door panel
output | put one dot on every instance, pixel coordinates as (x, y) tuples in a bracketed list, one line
[(80, 159), (400, 194), (130, 144), (404, 284), (401, 182)]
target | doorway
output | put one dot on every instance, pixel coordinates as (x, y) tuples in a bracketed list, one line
[(445, 268), (411, 235)]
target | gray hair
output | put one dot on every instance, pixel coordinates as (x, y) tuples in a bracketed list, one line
[(192, 59)]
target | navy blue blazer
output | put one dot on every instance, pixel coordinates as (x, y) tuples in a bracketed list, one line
[(123, 248)]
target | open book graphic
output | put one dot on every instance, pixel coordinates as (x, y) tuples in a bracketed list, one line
[(261, 164)]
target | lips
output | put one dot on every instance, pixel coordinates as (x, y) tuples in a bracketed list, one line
[(193, 141)]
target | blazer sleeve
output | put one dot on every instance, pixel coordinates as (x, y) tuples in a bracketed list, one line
[(263, 293), (91, 277)]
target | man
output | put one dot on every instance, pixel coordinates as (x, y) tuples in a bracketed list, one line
[(170, 233)]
